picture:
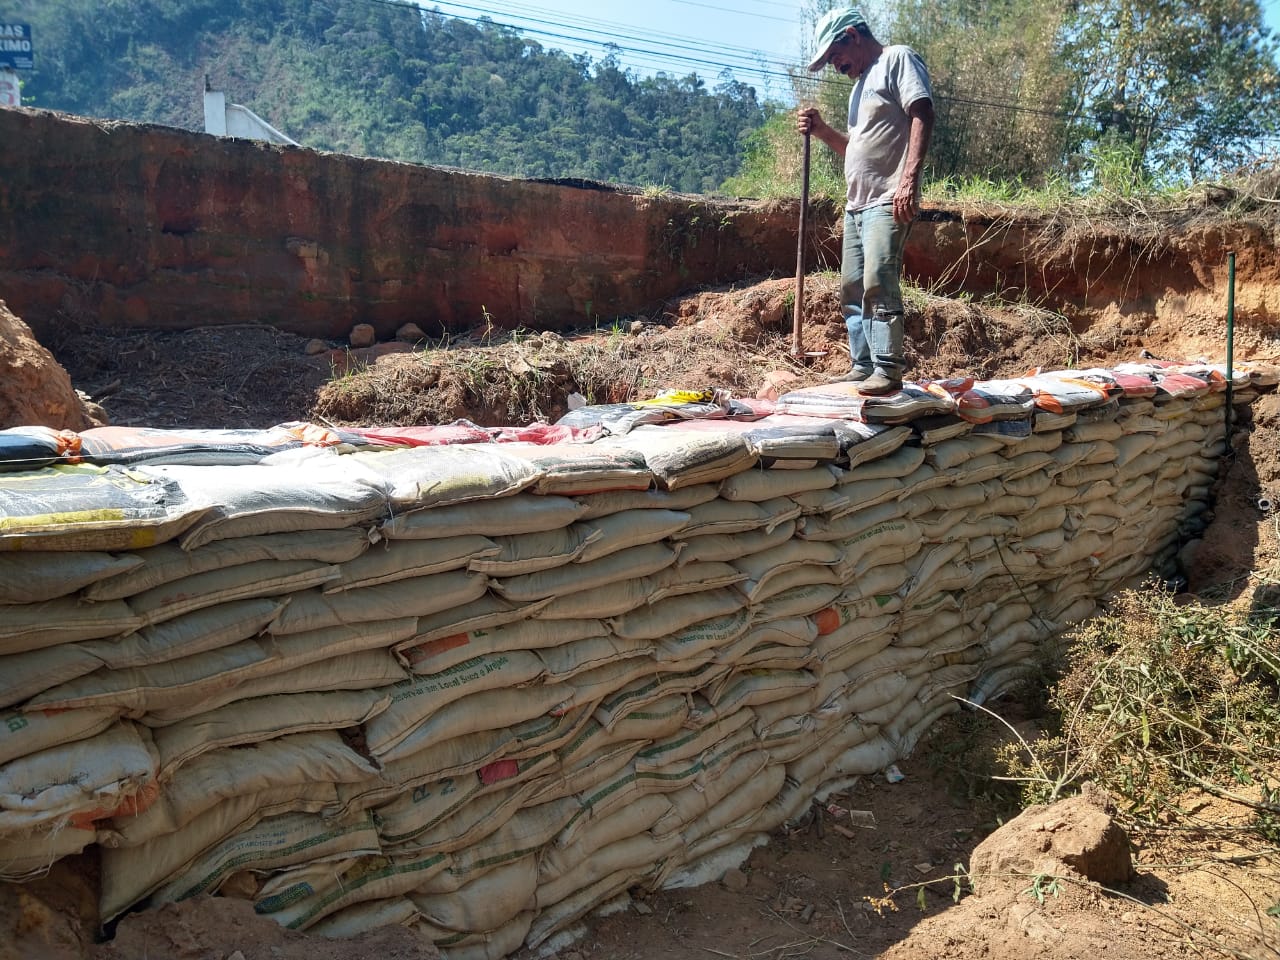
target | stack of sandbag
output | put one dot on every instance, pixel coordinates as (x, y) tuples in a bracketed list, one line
[(483, 688)]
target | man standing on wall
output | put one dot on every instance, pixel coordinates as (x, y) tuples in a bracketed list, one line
[(890, 122)]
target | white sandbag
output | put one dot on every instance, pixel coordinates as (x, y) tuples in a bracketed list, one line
[(264, 718), (615, 501), (34, 576), (359, 671), (419, 478), (484, 613), (23, 675), (432, 656), (425, 695), (682, 458), (624, 565), (168, 561), (416, 597), (30, 857), (326, 492), (501, 517), (728, 517), (630, 528), (724, 547), (22, 734), (75, 507), (578, 468), (486, 710), (221, 774), (485, 903), (189, 634), (34, 626), (78, 782), (761, 485), (361, 918), (394, 560)]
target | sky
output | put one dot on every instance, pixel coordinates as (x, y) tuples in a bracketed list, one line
[(757, 39)]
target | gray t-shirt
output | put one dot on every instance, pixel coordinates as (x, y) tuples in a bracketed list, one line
[(879, 125)]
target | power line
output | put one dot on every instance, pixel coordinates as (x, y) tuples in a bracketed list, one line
[(777, 71)]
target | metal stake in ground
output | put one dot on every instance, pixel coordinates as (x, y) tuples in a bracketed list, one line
[(797, 317)]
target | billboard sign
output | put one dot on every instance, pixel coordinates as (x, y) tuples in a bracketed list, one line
[(15, 47)]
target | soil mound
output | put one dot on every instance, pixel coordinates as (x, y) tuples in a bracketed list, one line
[(34, 387)]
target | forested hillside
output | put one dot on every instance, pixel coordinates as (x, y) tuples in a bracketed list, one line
[(379, 79)]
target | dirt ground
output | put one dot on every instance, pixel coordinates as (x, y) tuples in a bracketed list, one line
[(880, 880)]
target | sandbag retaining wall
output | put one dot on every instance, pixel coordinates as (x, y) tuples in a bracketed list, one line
[(484, 689)]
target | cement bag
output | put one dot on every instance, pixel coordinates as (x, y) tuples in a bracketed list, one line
[(450, 815), (399, 560), (850, 524), (324, 493), (138, 689), (34, 576), (35, 626), (689, 744), (683, 458), (358, 671), (800, 601), (439, 654), (530, 829), (554, 862), (491, 945), (686, 624), (30, 448), (840, 651), (892, 541), (636, 854), (766, 484), (750, 688), (630, 528), (864, 442), (896, 464), (186, 635), (361, 918), (507, 516), (567, 661), (575, 468), (689, 803), (989, 400), (244, 770), (1032, 485), (23, 675), (78, 782), (527, 552), (430, 477), (761, 568), (573, 908), (30, 858), (24, 734), (168, 562), (949, 454), (416, 597), (258, 579), (924, 477), (876, 582), (451, 759), (843, 401), (253, 721), (81, 507), (486, 710), (739, 809), (730, 517), (412, 701), (484, 613), (863, 494), (724, 547), (668, 407), (130, 874), (369, 877), (616, 501), (626, 564), (487, 902), (642, 692)]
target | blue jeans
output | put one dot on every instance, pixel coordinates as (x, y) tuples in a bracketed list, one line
[(871, 289)]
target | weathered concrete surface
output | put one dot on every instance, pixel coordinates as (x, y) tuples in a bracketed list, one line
[(143, 226)]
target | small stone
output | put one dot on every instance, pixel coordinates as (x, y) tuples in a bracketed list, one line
[(410, 333), (315, 347), (363, 335), (776, 383), (237, 955), (642, 908), (924, 868), (736, 880)]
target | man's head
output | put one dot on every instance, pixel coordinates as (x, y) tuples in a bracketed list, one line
[(835, 30)]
